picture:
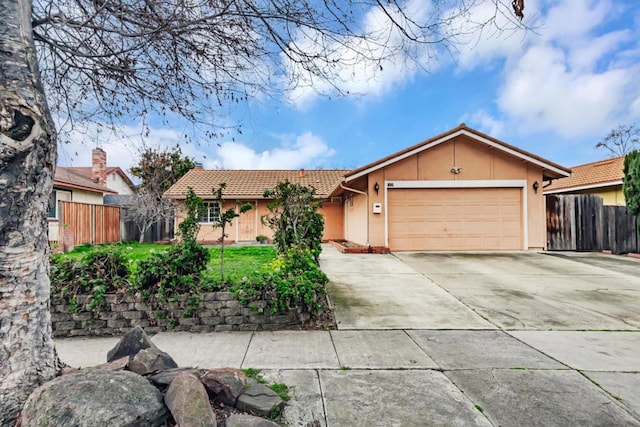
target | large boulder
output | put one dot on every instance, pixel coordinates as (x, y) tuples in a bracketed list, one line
[(227, 384), (151, 360), (130, 344), (95, 397), (189, 403)]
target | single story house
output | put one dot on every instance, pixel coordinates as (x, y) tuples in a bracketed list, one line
[(602, 178), (460, 190), (248, 186)]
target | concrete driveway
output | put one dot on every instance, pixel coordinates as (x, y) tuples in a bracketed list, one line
[(539, 291), (371, 291)]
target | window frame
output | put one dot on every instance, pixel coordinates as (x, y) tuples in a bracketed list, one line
[(212, 210), (55, 195)]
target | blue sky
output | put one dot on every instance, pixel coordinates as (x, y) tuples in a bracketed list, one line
[(555, 91)]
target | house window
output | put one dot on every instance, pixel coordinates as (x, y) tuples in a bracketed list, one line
[(210, 213), (55, 197)]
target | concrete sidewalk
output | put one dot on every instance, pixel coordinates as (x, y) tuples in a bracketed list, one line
[(423, 377)]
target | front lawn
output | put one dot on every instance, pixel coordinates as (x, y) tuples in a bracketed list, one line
[(240, 261)]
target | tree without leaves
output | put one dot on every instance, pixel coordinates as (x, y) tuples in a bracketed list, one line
[(145, 208), (189, 57), (621, 140), (112, 60), (157, 170)]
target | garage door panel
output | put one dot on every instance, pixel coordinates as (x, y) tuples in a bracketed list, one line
[(455, 219)]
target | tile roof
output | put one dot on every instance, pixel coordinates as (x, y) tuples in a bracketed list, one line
[(551, 169), (68, 176), (250, 184), (602, 173)]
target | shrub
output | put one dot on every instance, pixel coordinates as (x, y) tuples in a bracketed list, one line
[(294, 218), (102, 271), (172, 272), (288, 282)]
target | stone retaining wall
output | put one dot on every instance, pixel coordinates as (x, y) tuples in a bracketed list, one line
[(217, 312)]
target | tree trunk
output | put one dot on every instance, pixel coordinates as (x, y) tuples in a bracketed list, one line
[(27, 161)]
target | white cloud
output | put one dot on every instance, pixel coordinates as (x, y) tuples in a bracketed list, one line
[(123, 145), (485, 121), (578, 77), (489, 31), (568, 20), (350, 67), (308, 150)]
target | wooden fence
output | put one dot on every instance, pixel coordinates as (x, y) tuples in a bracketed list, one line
[(582, 223), (88, 223)]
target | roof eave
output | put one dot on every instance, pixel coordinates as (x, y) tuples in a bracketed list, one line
[(81, 187)]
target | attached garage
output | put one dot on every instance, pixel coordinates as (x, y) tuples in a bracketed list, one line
[(453, 219), (461, 190)]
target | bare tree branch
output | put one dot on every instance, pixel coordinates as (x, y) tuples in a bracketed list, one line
[(113, 60), (621, 140)]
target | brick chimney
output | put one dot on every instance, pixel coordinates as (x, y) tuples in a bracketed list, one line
[(302, 173), (99, 166)]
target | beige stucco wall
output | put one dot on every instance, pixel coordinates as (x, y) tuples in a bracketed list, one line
[(355, 219), (249, 224), (333, 221), (478, 162)]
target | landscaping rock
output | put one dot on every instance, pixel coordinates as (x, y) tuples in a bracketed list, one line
[(244, 420), (225, 383), (95, 397), (116, 365), (151, 360), (130, 344), (165, 378), (260, 400), (188, 402)]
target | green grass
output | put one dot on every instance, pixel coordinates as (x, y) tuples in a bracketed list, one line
[(281, 390), (239, 261)]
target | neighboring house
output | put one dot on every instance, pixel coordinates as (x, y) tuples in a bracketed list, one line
[(460, 190), (249, 186), (111, 177), (85, 185), (603, 178)]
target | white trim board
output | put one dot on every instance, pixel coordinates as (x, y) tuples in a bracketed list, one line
[(471, 183), (449, 137), (506, 183)]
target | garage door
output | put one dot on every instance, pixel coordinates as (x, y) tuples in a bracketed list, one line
[(453, 219)]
